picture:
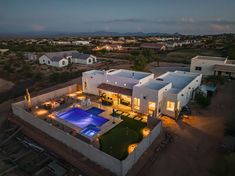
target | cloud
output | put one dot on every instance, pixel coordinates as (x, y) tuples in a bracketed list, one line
[(38, 27), (220, 27)]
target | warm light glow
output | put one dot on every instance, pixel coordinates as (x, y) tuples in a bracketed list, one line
[(170, 106), (71, 95), (81, 97), (137, 103), (78, 92), (41, 112), (52, 116), (146, 131), (131, 148)]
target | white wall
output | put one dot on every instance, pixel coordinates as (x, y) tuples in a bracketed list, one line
[(92, 81), (46, 60), (116, 166), (206, 65)]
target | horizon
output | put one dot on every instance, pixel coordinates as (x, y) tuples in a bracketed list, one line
[(184, 17)]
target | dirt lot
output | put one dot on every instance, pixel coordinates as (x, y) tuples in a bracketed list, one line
[(196, 139), (5, 85)]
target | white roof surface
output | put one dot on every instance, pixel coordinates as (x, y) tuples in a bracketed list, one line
[(178, 79), (210, 58), (155, 84), (129, 74)]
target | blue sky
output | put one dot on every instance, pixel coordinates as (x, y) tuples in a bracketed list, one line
[(184, 16)]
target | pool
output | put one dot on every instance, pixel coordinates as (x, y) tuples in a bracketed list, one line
[(90, 131), (95, 111), (81, 118)]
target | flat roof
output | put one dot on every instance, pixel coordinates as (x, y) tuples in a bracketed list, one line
[(155, 84), (210, 58), (225, 68), (95, 72), (115, 89), (129, 74), (178, 79)]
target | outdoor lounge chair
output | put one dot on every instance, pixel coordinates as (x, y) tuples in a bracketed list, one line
[(83, 103), (88, 102)]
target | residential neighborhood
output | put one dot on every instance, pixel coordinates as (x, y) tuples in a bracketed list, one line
[(117, 88)]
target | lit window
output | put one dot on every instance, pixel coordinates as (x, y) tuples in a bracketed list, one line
[(124, 84), (178, 105), (137, 103), (107, 80), (170, 106), (115, 82)]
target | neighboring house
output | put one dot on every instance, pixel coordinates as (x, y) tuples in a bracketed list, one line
[(141, 92), (154, 46), (30, 56), (208, 65), (109, 47), (2, 51), (83, 58), (80, 42), (64, 58)]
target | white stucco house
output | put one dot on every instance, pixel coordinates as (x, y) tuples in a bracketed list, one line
[(208, 65), (141, 92), (64, 58)]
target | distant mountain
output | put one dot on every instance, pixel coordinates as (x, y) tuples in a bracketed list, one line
[(78, 34)]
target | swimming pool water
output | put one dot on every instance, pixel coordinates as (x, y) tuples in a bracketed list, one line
[(81, 118), (95, 111), (90, 131)]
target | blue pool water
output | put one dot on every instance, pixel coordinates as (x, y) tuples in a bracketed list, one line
[(81, 118), (90, 131), (95, 111)]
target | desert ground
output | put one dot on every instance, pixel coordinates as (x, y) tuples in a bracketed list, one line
[(196, 139), (5, 85)]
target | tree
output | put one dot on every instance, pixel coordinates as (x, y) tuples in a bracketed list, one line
[(140, 63)]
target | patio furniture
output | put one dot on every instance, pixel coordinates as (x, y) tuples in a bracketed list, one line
[(88, 102), (137, 118), (124, 102), (83, 102), (132, 116), (107, 102)]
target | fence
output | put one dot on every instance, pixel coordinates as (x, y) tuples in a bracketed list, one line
[(116, 166)]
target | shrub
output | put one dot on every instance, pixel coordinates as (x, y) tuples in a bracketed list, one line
[(202, 100)]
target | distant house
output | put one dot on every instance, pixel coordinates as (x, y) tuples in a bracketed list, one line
[(109, 47), (208, 65), (80, 42), (64, 58), (30, 56), (83, 58), (154, 46), (2, 51)]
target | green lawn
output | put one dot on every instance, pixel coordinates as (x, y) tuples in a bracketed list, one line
[(117, 140)]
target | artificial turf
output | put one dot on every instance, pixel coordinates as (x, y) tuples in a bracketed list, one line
[(117, 140)]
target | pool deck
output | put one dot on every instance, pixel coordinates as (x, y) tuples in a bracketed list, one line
[(74, 100)]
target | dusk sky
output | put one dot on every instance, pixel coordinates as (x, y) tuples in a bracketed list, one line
[(183, 16)]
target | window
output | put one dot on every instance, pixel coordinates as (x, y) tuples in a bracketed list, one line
[(151, 107), (178, 105), (115, 82), (125, 85), (89, 60), (198, 68), (85, 85), (63, 62), (170, 106), (48, 62), (137, 103)]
